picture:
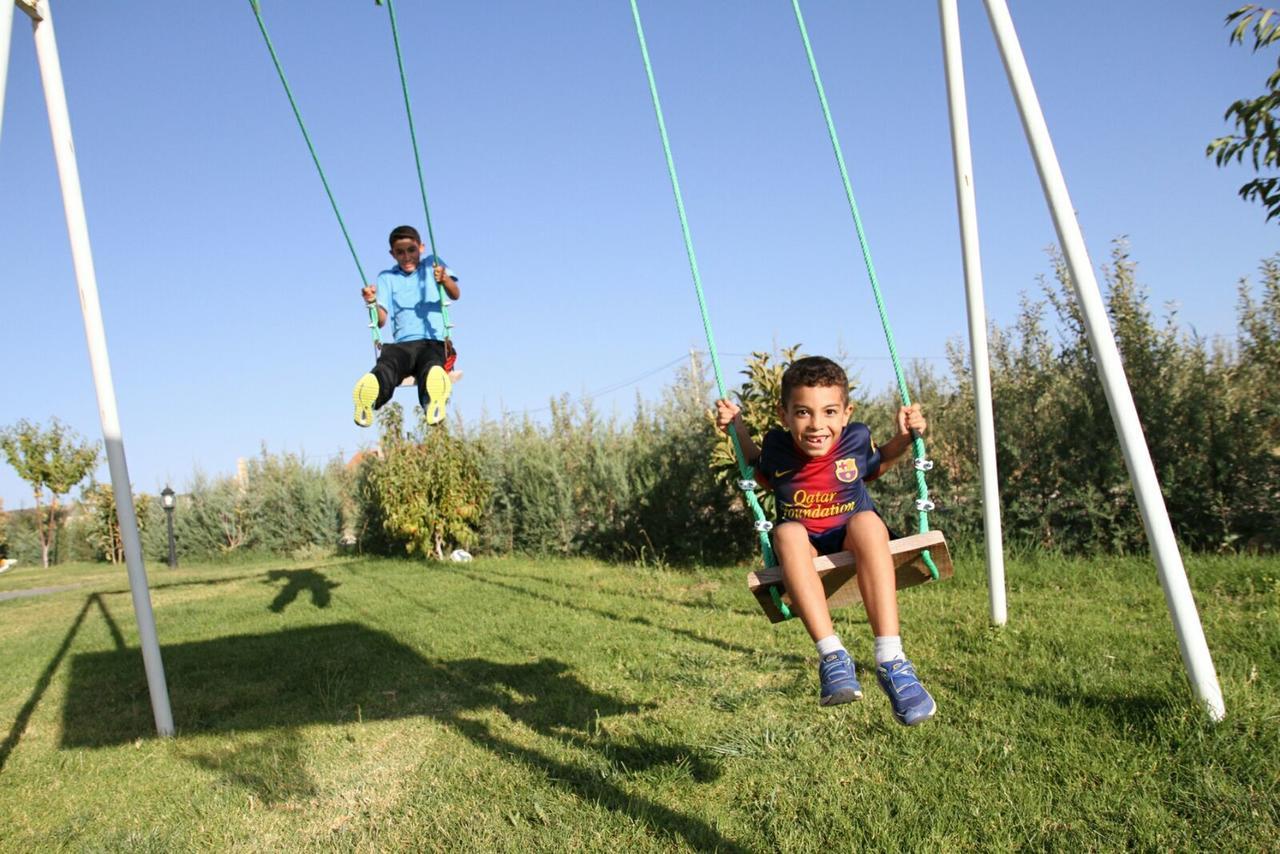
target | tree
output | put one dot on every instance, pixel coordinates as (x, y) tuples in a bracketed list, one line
[(426, 491), (1257, 120), (104, 525), (52, 460), (4, 532)]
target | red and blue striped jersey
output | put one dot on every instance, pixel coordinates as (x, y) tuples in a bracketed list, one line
[(820, 492)]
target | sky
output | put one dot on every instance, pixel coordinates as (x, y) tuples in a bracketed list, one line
[(231, 300)]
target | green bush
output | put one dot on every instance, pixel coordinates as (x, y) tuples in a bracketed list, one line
[(24, 540), (99, 525), (586, 485), (213, 519), (155, 529), (425, 492), (678, 514), (1207, 409), (530, 508), (290, 505)]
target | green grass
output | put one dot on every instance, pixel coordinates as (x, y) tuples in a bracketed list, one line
[(516, 704)]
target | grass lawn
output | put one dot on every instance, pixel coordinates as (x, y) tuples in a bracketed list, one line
[(521, 704)]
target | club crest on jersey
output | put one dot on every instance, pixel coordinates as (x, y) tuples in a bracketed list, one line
[(847, 470)]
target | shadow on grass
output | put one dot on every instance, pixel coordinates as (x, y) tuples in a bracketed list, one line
[(296, 581), (1123, 712), (264, 687), (706, 607), (727, 646), (42, 684), (198, 582)]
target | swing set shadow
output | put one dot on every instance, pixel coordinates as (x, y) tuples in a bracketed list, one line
[(263, 688), (727, 646)]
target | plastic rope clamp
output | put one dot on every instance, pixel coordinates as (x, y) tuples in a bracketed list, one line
[(764, 526), (924, 505), (923, 464), (747, 485)]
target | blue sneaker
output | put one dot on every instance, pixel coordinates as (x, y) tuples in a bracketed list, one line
[(911, 702), (839, 684)]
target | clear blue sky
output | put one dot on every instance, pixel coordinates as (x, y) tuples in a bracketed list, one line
[(231, 301)]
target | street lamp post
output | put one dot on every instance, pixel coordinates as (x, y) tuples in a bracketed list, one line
[(167, 500)]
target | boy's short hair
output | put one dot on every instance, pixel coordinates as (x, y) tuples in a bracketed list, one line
[(401, 232), (814, 371)]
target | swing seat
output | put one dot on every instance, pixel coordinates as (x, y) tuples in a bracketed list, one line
[(838, 572), (454, 376)]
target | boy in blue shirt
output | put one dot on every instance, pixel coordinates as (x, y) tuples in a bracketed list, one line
[(410, 297), (817, 467)]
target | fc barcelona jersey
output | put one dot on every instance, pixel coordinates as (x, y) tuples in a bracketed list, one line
[(820, 492)]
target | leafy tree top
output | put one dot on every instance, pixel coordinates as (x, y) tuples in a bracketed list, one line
[(1256, 120), (53, 458)]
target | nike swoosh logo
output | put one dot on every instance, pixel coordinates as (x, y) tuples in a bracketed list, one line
[(784, 473)]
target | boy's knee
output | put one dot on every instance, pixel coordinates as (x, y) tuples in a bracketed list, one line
[(789, 532), (865, 530)]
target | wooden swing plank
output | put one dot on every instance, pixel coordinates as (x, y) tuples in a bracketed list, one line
[(408, 382), (838, 572)]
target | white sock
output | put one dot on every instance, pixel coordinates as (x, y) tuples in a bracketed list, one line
[(888, 647), (828, 645)]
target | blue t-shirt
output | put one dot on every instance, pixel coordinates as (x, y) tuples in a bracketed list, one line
[(412, 301), (821, 493)]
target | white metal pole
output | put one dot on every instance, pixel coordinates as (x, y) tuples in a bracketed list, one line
[(82, 259), (6, 39), (980, 364), (1155, 517)]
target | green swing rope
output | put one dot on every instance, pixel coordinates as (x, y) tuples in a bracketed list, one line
[(923, 504), (417, 159), (373, 309), (746, 484)]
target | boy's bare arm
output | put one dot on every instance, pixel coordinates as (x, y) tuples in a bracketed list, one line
[(909, 418), (728, 412), (449, 282)]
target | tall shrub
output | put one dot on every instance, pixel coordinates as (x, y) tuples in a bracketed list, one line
[(1253, 414), (102, 528), (291, 504), (558, 488), (425, 492), (214, 519), (680, 513)]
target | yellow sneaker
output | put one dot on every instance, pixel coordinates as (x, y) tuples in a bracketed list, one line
[(364, 395), (438, 388)]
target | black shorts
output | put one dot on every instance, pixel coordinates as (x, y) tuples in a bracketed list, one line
[(831, 541), (396, 362)]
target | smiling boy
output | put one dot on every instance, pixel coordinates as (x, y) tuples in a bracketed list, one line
[(817, 467), (410, 298)]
